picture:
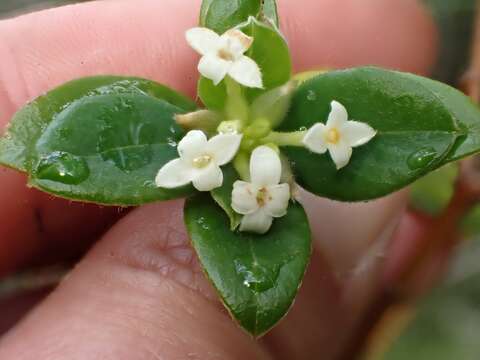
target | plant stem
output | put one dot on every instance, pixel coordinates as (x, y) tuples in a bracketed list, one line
[(285, 139), (236, 107)]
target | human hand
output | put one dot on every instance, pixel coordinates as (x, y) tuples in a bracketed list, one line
[(140, 293)]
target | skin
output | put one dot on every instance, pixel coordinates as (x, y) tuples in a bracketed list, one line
[(139, 293)]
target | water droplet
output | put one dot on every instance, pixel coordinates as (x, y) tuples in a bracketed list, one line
[(149, 184), (62, 167), (257, 277), (203, 223), (172, 142), (421, 158), (311, 96), (303, 128)]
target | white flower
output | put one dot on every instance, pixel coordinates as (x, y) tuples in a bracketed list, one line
[(199, 161), (338, 135), (263, 198), (223, 55)]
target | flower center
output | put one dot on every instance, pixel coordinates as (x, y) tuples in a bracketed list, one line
[(226, 55), (333, 136), (202, 161), (263, 196)]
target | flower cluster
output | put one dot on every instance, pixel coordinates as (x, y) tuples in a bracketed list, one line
[(261, 195)]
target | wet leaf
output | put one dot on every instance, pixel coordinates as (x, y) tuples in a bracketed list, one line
[(466, 114), (417, 125), (99, 139), (257, 276)]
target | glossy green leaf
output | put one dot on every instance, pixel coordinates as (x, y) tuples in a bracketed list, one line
[(257, 276), (99, 139), (432, 193), (223, 195), (222, 15), (464, 111), (416, 127), (271, 53)]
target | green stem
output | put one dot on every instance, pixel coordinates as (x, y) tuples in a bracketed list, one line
[(285, 139), (236, 107)]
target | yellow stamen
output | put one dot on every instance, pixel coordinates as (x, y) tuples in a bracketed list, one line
[(202, 161), (263, 196), (225, 55), (333, 136)]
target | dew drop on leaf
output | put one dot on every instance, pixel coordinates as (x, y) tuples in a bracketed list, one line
[(149, 184), (421, 158), (62, 167), (203, 223), (311, 96), (125, 143), (257, 277)]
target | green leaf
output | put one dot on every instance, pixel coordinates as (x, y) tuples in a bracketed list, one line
[(223, 195), (222, 15), (465, 112), (269, 50), (213, 97), (432, 193), (100, 139), (416, 127), (270, 12), (257, 276)]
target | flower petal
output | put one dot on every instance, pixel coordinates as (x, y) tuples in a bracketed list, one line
[(208, 178), (236, 42), (340, 153), (259, 222), (357, 133), (203, 40), (338, 116), (213, 68), (265, 167), (277, 204), (244, 197), (192, 145), (314, 140), (174, 174), (245, 71), (224, 147)]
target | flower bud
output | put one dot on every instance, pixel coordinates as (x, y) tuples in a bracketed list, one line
[(259, 129), (205, 120)]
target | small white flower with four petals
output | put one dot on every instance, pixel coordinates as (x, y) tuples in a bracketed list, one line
[(200, 161), (224, 55), (338, 135), (263, 198)]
